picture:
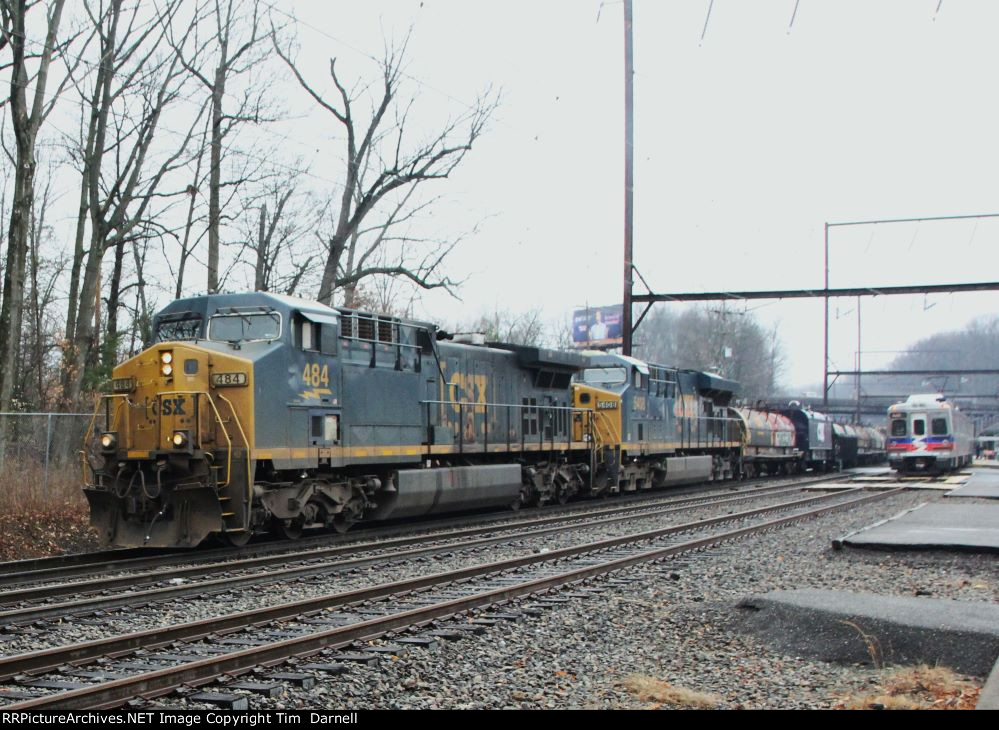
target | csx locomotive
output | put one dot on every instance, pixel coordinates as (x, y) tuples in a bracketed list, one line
[(257, 412)]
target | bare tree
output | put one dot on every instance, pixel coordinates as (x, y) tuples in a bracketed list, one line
[(26, 121), (502, 325), (132, 86), (276, 246), (381, 144), (235, 46)]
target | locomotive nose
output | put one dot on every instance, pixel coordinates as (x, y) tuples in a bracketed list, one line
[(167, 444)]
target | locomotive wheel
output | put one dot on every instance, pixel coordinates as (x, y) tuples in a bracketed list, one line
[(342, 523), (561, 494), (290, 530)]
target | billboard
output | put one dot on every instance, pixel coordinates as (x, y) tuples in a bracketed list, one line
[(597, 327)]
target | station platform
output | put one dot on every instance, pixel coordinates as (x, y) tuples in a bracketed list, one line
[(956, 526), (982, 483), (842, 626)]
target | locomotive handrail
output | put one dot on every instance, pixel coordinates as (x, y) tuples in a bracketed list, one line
[(218, 417), (101, 399), (246, 442), (541, 409)]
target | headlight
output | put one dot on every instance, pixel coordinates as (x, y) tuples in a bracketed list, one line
[(166, 357), (179, 439), (166, 369), (109, 441)]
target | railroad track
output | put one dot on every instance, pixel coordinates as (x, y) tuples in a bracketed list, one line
[(29, 605), (60, 567), (103, 563), (197, 653)]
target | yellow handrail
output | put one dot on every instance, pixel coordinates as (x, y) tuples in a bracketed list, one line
[(93, 420), (218, 417), (249, 476)]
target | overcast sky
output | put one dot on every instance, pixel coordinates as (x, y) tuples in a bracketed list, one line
[(746, 141)]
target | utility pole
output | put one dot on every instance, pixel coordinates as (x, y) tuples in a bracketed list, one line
[(825, 351), (629, 178)]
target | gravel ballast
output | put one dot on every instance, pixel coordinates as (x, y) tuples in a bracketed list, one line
[(674, 621)]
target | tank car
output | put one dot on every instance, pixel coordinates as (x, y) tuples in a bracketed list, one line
[(813, 437), (768, 442), (870, 445), (846, 445), (928, 434)]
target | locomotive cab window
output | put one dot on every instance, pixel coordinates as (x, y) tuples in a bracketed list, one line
[(605, 376), (182, 326), (308, 335), (918, 426), (939, 426), (898, 427), (244, 326)]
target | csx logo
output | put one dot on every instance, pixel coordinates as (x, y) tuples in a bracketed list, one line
[(173, 407)]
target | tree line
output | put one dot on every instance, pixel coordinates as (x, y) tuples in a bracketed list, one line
[(152, 130)]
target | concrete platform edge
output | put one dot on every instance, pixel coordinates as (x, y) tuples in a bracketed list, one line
[(989, 698)]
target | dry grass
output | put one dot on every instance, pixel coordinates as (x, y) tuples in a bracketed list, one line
[(40, 519), (917, 688), (654, 690)]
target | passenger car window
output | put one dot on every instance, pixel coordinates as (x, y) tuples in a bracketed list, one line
[(898, 427), (939, 426)]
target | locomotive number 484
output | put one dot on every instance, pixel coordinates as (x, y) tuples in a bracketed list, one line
[(315, 375)]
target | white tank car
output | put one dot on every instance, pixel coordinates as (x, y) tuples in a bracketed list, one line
[(928, 434)]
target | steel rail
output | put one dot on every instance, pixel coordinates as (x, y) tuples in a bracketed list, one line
[(78, 563), (35, 612), (159, 682), (78, 588), (48, 659)]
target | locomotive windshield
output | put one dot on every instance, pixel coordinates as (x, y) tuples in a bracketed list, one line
[(244, 326), (605, 376), (186, 326)]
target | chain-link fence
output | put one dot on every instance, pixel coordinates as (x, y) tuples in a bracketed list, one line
[(42, 447)]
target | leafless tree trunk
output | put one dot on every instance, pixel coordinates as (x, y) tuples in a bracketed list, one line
[(277, 228), (383, 138), (234, 47), (26, 124), (131, 90)]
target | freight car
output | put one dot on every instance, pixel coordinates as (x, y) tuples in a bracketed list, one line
[(928, 434), (258, 412), (857, 445), (768, 442), (813, 437)]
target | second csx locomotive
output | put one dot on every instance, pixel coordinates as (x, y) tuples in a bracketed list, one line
[(258, 412)]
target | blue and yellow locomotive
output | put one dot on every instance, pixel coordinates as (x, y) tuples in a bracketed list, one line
[(258, 412)]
